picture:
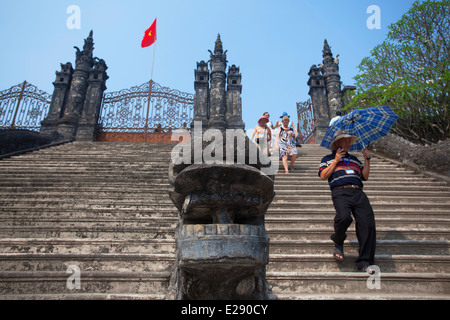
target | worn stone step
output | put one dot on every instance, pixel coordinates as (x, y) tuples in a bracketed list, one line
[(120, 262), (145, 189), (111, 282), (105, 188), (90, 222), (81, 168), (329, 211), (58, 177), (376, 205), (84, 245), (386, 263), (410, 191), (398, 246), (394, 203), (361, 296), (117, 199), (80, 211), (382, 233), (121, 232), (320, 222), (85, 296), (287, 283), (97, 232), (374, 197), (164, 262), (148, 221), (89, 203), (81, 193)]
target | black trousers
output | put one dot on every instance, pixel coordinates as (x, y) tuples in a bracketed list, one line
[(349, 201)]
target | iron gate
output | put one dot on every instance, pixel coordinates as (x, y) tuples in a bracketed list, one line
[(145, 109), (23, 106), (305, 115)]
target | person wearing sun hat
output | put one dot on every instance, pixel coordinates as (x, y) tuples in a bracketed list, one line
[(345, 175), (263, 134), (291, 125)]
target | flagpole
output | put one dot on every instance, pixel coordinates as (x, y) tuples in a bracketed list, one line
[(150, 85)]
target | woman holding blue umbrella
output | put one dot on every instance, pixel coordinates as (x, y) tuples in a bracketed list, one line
[(345, 175)]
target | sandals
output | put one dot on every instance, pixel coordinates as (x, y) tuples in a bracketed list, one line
[(368, 269), (338, 252)]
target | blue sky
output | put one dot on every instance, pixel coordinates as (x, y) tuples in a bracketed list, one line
[(273, 42)]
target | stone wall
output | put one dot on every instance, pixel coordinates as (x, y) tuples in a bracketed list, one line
[(433, 158), (12, 140)]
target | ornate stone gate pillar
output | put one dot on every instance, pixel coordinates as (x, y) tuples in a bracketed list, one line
[(77, 96)]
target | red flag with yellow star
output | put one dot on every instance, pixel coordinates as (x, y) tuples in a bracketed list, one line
[(149, 36)]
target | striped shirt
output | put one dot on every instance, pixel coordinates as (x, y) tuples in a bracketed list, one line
[(348, 170)]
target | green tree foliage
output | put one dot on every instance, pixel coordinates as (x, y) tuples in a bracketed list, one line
[(410, 72)]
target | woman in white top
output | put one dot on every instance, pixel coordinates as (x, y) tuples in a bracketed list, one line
[(263, 135)]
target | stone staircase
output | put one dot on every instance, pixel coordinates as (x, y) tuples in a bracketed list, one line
[(104, 208)]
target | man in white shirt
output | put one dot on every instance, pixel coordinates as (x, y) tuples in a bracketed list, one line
[(338, 116)]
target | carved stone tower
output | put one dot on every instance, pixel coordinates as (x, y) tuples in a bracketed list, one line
[(332, 79), (201, 86), (77, 96), (317, 92), (218, 94), (325, 91), (92, 102), (59, 99), (218, 63), (234, 102)]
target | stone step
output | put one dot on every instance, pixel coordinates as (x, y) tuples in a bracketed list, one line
[(361, 296), (94, 165), (106, 282), (271, 223), (155, 200), (398, 246), (317, 283), (158, 197), (126, 262), (84, 245), (417, 190), (382, 233), (58, 176), (94, 232), (120, 262), (84, 296), (88, 222), (167, 246), (121, 232), (282, 179), (80, 211), (386, 263), (321, 222), (141, 191), (410, 190), (374, 197), (328, 211)]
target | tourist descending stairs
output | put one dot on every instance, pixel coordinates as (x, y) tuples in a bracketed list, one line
[(94, 221), (412, 214)]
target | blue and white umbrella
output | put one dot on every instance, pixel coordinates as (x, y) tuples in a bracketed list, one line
[(368, 125)]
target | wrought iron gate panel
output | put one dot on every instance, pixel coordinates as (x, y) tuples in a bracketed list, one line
[(305, 115), (129, 110), (23, 106)]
